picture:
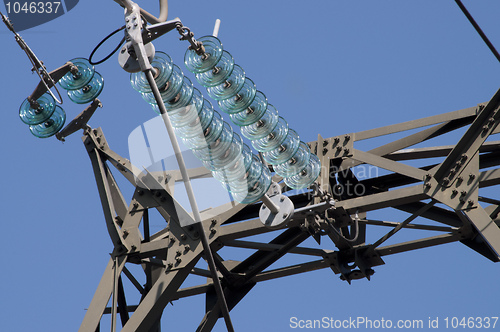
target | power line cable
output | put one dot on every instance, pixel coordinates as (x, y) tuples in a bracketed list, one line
[(478, 29)]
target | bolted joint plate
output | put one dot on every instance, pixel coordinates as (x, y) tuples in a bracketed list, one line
[(459, 194), (280, 219), (181, 248), (333, 147), (128, 59)]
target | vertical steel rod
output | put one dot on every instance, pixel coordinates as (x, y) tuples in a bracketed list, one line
[(145, 224), (270, 204), (396, 229), (115, 295), (192, 199)]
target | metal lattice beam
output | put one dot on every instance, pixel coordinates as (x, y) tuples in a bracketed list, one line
[(450, 207)]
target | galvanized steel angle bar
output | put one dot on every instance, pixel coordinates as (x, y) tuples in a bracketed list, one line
[(157, 198), (102, 173), (435, 213), (163, 291), (401, 225), (119, 203), (293, 270), (324, 176), (262, 259), (133, 218), (123, 166), (100, 300), (154, 248), (94, 138), (489, 178), (251, 227), (461, 193), (484, 124), (387, 182), (180, 248), (80, 121), (242, 229), (194, 173), (437, 151), (192, 291), (418, 123), (393, 166), (397, 145), (119, 264), (131, 236), (213, 305), (495, 131), (97, 139), (133, 280), (223, 270), (420, 153), (165, 202), (465, 116), (122, 303), (493, 210), (410, 226), (418, 244), (223, 212), (486, 227), (411, 140), (133, 174), (143, 199), (274, 247), (209, 319), (384, 199), (103, 294), (246, 228)]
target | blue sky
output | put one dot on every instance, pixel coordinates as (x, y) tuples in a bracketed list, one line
[(329, 67)]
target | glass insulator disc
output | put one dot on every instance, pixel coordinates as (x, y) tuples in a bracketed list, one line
[(89, 92), (252, 113), (284, 151), (162, 64), (50, 126), (78, 80), (263, 126), (200, 63), (306, 176), (32, 116), (242, 100), (230, 87), (219, 73)]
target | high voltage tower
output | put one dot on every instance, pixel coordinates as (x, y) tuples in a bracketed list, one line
[(291, 189)]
